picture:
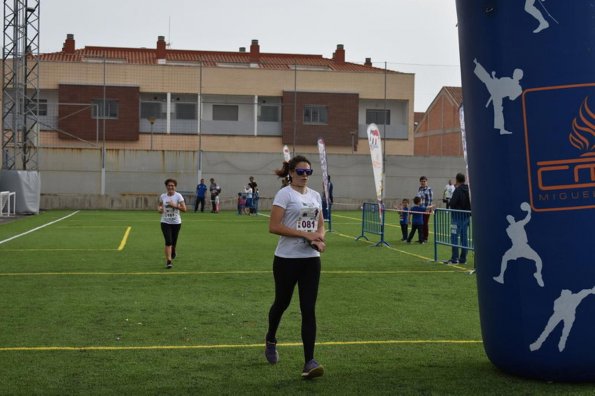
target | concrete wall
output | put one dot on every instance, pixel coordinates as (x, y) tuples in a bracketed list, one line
[(71, 178)]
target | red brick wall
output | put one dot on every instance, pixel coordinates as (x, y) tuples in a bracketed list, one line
[(439, 134), (78, 121), (434, 118), (440, 145), (342, 118), (451, 144), (420, 146), (450, 118)]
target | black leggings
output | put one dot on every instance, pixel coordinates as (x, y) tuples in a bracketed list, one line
[(306, 273), (170, 233)]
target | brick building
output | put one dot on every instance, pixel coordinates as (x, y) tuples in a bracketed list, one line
[(438, 132), (245, 101)]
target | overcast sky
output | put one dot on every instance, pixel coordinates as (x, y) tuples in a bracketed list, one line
[(416, 36)]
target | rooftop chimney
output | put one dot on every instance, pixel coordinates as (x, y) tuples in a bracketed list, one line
[(161, 47), (368, 62), (254, 51), (68, 46), (242, 49), (339, 54)]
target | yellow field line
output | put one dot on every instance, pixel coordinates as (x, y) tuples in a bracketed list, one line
[(386, 247), (58, 250), (234, 346), (124, 239), (401, 251), (386, 224)]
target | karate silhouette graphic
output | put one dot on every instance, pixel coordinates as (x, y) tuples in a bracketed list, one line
[(532, 10), (499, 89), (564, 311), (520, 246), (535, 13)]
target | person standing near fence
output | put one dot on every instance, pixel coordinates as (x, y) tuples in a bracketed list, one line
[(460, 201), (447, 193), (249, 202), (215, 190), (404, 218), (170, 205), (426, 195), (201, 192), (418, 211), (254, 186), (296, 216)]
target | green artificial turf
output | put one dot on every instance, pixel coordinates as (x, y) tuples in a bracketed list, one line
[(80, 316)]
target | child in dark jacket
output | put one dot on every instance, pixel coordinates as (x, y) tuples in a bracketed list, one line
[(404, 218), (417, 219)]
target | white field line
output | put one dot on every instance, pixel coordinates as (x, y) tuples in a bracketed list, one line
[(37, 228)]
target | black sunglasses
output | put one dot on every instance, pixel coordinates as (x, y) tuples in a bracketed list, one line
[(303, 171)]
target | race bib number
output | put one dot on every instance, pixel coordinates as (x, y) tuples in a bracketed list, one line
[(308, 220)]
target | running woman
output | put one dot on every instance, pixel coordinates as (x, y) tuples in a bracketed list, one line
[(170, 205), (296, 216)]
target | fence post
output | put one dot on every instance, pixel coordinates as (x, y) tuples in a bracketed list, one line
[(373, 221)]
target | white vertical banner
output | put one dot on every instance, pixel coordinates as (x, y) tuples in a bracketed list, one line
[(464, 142), (375, 143), (323, 168), (286, 155)]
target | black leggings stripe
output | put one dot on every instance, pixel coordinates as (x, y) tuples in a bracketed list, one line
[(170, 233), (306, 273)]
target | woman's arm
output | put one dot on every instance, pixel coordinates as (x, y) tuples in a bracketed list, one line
[(319, 243)]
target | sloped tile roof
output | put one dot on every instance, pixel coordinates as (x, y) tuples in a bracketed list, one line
[(148, 56), (456, 94)]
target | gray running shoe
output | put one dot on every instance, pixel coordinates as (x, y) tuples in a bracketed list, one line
[(312, 370), (270, 352)]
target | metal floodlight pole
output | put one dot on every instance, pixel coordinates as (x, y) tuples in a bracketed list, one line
[(294, 105), (199, 173), (103, 115), (384, 133), (20, 87)]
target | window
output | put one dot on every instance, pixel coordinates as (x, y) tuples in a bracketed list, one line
[(32, 108), (150, 109), (315, 114), (225, 113), (269, 113), (107, 109), (186, 111), (376, 116)]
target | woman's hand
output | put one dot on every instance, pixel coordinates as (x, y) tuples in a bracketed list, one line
[(318, 245), (314, 236)]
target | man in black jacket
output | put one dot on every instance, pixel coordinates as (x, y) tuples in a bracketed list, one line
[(460, 204)]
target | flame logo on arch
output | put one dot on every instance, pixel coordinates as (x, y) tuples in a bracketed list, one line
[(583, 130)]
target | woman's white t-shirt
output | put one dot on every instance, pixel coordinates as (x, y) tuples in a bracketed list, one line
[(302, 213), (169, 214)]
